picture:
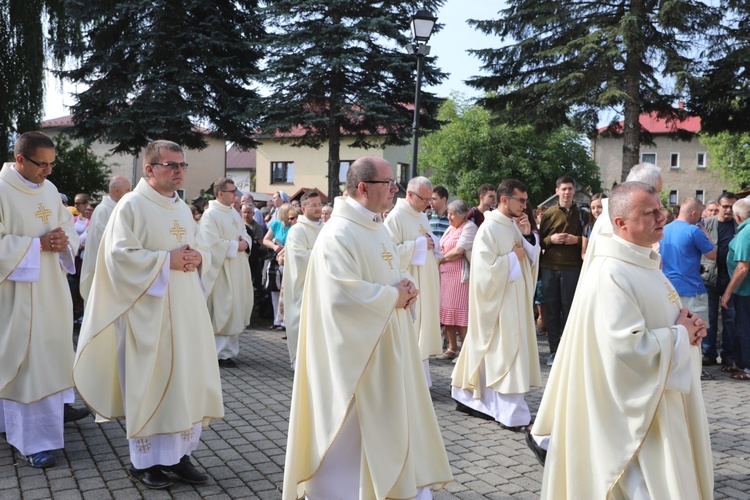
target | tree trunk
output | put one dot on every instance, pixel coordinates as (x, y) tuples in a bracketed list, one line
[(334, 160), (631, 134)]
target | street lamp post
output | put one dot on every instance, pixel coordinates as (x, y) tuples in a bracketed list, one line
[(422, 24)]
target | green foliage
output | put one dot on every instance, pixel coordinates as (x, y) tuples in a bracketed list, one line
[(163, 69), (729, 157), (78, 169), (566, 60), (470, 150), (340, 68)]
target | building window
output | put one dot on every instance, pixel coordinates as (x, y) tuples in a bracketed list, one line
[(673, 197), (402, 173), (700, 195), (648, 158), (282, 172), (343, 169), (674, 160), (700, 160)]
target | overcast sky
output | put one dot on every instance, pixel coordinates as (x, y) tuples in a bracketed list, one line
[(449, 45)]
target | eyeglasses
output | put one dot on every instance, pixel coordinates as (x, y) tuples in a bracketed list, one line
[(42, 164), (226, 190), (523, 201), (313, 205), (727, 207), (421, 198), (80, 203), (292, 218), (173, 165), (391, 182)]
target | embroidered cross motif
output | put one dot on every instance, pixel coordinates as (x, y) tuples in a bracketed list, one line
[(234, 223), (143, 445), (43, 213), (187, 436), (424, 231), (672, 294), (387, 256), (177, 231)]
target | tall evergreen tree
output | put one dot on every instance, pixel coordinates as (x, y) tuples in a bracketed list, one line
[(23, 51), (341, 68), (570, 59), (165, 68)]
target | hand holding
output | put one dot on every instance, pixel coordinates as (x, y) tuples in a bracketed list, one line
[(559, 238), (407, 294), (523, 224), (519, 251), (54, 241)]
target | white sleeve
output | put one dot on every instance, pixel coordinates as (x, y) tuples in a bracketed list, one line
[(28, 270), (679, 372), (67, 260), (420, 252), (515, 267), (531, 249), (159, 287), (232, 250)]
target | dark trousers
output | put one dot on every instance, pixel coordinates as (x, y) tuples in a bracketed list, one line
[(742, 333), (727, 321), (558, 288)]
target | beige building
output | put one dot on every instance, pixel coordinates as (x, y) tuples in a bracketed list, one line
[(283, 167), (206, 165), (684, 164)]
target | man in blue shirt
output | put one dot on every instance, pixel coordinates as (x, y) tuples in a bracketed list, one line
[(681, 249), (439, 216), (738, 289)]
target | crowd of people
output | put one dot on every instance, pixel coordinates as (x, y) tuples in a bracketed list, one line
[(367, 294)]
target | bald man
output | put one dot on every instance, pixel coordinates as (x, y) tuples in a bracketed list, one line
[(118, 187), (684, 243)]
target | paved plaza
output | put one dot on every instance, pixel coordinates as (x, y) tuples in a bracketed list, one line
[(244, 453)]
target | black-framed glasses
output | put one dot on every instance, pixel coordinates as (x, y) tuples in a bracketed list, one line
[(173, 165), (292, 218), (226, 190), (391, 182), (42, 164), (523, 201), (420, 197)]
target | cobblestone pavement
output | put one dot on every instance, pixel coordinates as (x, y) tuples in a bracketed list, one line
[(244, 453)]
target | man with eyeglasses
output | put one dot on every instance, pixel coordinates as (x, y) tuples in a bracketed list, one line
[(228, 280), (37, 249), (721, 230), (411, 233), (362, 424), (499, 361), (299, 245), (146, 350)]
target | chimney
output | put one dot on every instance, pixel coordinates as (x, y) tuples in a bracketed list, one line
[(681, 105)]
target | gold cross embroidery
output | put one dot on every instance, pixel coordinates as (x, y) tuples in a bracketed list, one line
[(187, 435), (143, 445), (387, 256), (43, 213), (672, 294), (424, 231), (177, 231), (234, 223)]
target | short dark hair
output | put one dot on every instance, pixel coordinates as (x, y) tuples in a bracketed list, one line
[(29, 142), (154, 149), (221, 184), (440, 191), (308, 195), (564, 179), (481, 190), (726, 195), (507, 187), (363, 169)]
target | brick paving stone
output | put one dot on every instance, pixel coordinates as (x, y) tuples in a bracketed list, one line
[(67, 495), (37, 494)]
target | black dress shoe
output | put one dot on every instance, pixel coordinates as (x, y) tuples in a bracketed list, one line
[(539, 452), (463, 408), (71, 414), (152, 477), (186, 471), (227, 363), (709, 360)]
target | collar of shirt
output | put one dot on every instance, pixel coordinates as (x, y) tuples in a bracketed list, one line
[(359, 208), (24, 180)]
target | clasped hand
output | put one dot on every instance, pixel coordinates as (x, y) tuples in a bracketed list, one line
[(185, 259), (407, 294), (54, 241), (694, 325)]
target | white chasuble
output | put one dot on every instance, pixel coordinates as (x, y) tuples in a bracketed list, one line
[(405, 225), (355, 348), (501, 336), (36, 351), (299, 245), (608, 409), (228, 281), (94, 234), (172, 376)]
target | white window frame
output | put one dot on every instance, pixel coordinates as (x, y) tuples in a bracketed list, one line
[(643, 160), (671, 157), (698, 164), (700, 195), (676, 197)]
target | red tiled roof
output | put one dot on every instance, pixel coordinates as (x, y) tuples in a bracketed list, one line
[(67, 121), (237, 159), (655, 125)]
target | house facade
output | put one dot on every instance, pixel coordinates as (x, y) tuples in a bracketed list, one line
[(685, 165), (206, 165)]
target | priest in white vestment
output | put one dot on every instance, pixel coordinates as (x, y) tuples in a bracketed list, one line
[(499, 361), (410, 231), (146, 350), (118, 186), (37, 248), (228, 280), (623, 413), (299, 245), (362, 423)]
